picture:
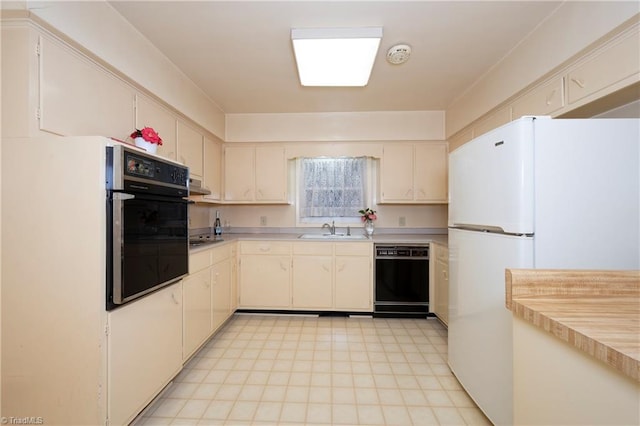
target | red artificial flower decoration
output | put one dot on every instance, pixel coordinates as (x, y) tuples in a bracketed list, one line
[(148, 134), (368, 214)]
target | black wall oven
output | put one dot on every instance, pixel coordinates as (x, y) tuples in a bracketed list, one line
[(402, 279), (147, 224)]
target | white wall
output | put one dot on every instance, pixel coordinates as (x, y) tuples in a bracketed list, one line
[(99, 28), (573, 27), (630, 110)]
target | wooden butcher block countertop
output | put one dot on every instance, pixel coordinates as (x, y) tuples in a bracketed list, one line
[(598, 312)]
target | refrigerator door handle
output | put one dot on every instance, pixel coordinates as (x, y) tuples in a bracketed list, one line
[(480, 228), (487, 228)]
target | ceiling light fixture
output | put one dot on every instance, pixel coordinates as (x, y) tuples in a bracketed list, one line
[(335, 56)]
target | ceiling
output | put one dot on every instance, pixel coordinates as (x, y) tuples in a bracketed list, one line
[(240, 54)]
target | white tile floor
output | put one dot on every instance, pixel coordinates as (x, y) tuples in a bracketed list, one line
[(293, 370)]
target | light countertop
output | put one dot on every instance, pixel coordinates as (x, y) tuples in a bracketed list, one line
[(597, 312), (377, 238)]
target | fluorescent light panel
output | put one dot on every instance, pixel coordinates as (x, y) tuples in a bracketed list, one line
[(335, 56)]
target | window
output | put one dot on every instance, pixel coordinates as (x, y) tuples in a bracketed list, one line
[(332, 189)]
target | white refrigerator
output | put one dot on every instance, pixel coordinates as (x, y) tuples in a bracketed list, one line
[(535, 193)]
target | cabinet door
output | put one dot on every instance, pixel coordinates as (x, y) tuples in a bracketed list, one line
[(239, 173), (196, 311), (234, 278), (221, 292), (265, 281), (396, 174), (271, 174), (442, 291), (213, 168), (312, 279), (431, 172), (190, 149), (80, 98), (144, 351), (543, 100), (151, 114), (614, 64), (353, 283)]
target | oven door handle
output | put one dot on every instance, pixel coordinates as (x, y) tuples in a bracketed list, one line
[(117, 241), (121, 196)]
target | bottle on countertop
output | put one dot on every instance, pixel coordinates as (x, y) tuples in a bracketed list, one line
[(217, 227)]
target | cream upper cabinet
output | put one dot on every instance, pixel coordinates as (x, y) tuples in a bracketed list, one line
[(440, 276), (151, 114), (190, 149), (614, 67), (353, 277), (255, 174), (542, 100), (239, 173), (213, 169), (396, 174), (312, 275), (414, 173), (431, 172), (271, 174), (265, 274), (77, 97)]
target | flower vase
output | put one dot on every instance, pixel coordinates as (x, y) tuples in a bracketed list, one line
[(147, 146), (368, 227)]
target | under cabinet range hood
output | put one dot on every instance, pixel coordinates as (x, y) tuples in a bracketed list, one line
[(195, 188)]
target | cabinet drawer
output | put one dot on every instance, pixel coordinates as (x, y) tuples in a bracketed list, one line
[(354, 249), (610, 66), (220, 253), (542, 100), (265, 247), (314, 248), (199, 260)]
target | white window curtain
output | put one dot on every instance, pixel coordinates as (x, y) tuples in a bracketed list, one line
[(332, 187)]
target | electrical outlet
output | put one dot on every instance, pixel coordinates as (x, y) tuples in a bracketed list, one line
[(263, 221), (402, 221)]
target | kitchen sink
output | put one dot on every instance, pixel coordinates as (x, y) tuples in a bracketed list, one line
[(333, 237)]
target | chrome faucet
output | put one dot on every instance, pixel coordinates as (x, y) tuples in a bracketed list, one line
[(332, 227)]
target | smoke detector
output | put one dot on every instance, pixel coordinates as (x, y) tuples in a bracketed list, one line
[(399, 54)]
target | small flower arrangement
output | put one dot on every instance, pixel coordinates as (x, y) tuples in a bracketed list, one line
[(148, 134), (368, 214)]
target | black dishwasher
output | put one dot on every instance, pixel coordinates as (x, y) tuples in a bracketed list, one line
[(402, 279)]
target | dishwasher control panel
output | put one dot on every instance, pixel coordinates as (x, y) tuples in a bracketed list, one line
[(395, 251)]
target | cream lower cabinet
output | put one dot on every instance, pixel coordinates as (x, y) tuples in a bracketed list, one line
[(440, 276), (353, 286), (323, 276), (196, 303), (220, 287), (265, 274), (207, 296), (145, 341), (312, 276)]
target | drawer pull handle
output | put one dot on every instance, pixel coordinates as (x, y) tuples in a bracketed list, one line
[(579, 82)]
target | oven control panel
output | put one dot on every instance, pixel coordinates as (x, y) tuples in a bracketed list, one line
[(155, 170)]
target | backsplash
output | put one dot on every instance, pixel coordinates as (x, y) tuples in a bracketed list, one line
[(284, 216)]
